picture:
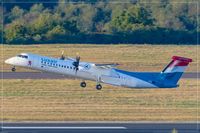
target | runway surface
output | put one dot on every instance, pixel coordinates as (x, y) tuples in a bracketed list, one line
[(41, 75), (95, 127)]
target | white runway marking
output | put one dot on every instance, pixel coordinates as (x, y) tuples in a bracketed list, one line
[(61, 128)]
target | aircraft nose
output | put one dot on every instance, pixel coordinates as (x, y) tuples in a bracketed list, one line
[(8, 61)]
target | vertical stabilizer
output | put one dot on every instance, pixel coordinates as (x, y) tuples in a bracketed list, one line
[(178, 64), (174, 70)]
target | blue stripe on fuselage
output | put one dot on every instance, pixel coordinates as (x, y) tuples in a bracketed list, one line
[(162, 80)]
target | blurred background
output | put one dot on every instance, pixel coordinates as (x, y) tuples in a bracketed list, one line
[(100, 21)]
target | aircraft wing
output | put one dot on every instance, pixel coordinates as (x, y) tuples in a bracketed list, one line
[(71, 59), (106, 66)]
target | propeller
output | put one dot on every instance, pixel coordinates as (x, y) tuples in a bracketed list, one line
[(76, 63), (62, 55)]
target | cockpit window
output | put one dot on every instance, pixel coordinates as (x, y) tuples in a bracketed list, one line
[(23, 56)]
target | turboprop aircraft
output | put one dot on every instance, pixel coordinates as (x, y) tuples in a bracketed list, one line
[(103, 73)]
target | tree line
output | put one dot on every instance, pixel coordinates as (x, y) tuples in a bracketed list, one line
[(100, 22)]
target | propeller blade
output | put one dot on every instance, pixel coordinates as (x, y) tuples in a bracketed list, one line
[(62, 55), (76, 63)]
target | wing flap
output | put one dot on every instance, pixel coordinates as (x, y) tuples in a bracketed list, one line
[(107, 66)]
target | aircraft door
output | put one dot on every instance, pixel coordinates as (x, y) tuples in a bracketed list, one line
[(33, 62)]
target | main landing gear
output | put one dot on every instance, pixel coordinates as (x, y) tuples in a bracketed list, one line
[(13, 69), (83, 85), (98, 87)]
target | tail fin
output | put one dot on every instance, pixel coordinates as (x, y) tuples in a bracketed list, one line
[(174, 70), (178, 64)]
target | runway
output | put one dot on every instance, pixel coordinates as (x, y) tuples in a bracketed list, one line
[(42, 75), (95, 127)]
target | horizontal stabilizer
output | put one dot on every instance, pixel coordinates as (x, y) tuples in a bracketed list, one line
[(178, 64)]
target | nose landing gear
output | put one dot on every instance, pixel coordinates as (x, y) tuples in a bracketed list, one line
[(13, 69)]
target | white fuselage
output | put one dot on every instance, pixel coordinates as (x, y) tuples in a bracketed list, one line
[(86, 71)]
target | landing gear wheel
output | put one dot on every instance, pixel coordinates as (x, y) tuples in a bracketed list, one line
[(13, 69), (83, 84), (98, 87)]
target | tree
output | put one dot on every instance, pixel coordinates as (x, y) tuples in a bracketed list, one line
[(169, 21), (187, 15), (55, 33), (16, 13), (42, 23), (102, 16), (70, 27), (37, 8), (1, 24), (85, 18), (16, 33), (132, 19)]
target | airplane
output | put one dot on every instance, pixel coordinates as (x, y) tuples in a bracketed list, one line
[(103, 73)]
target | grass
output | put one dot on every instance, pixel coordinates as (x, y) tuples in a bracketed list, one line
[(130, 57), (64, 100)]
